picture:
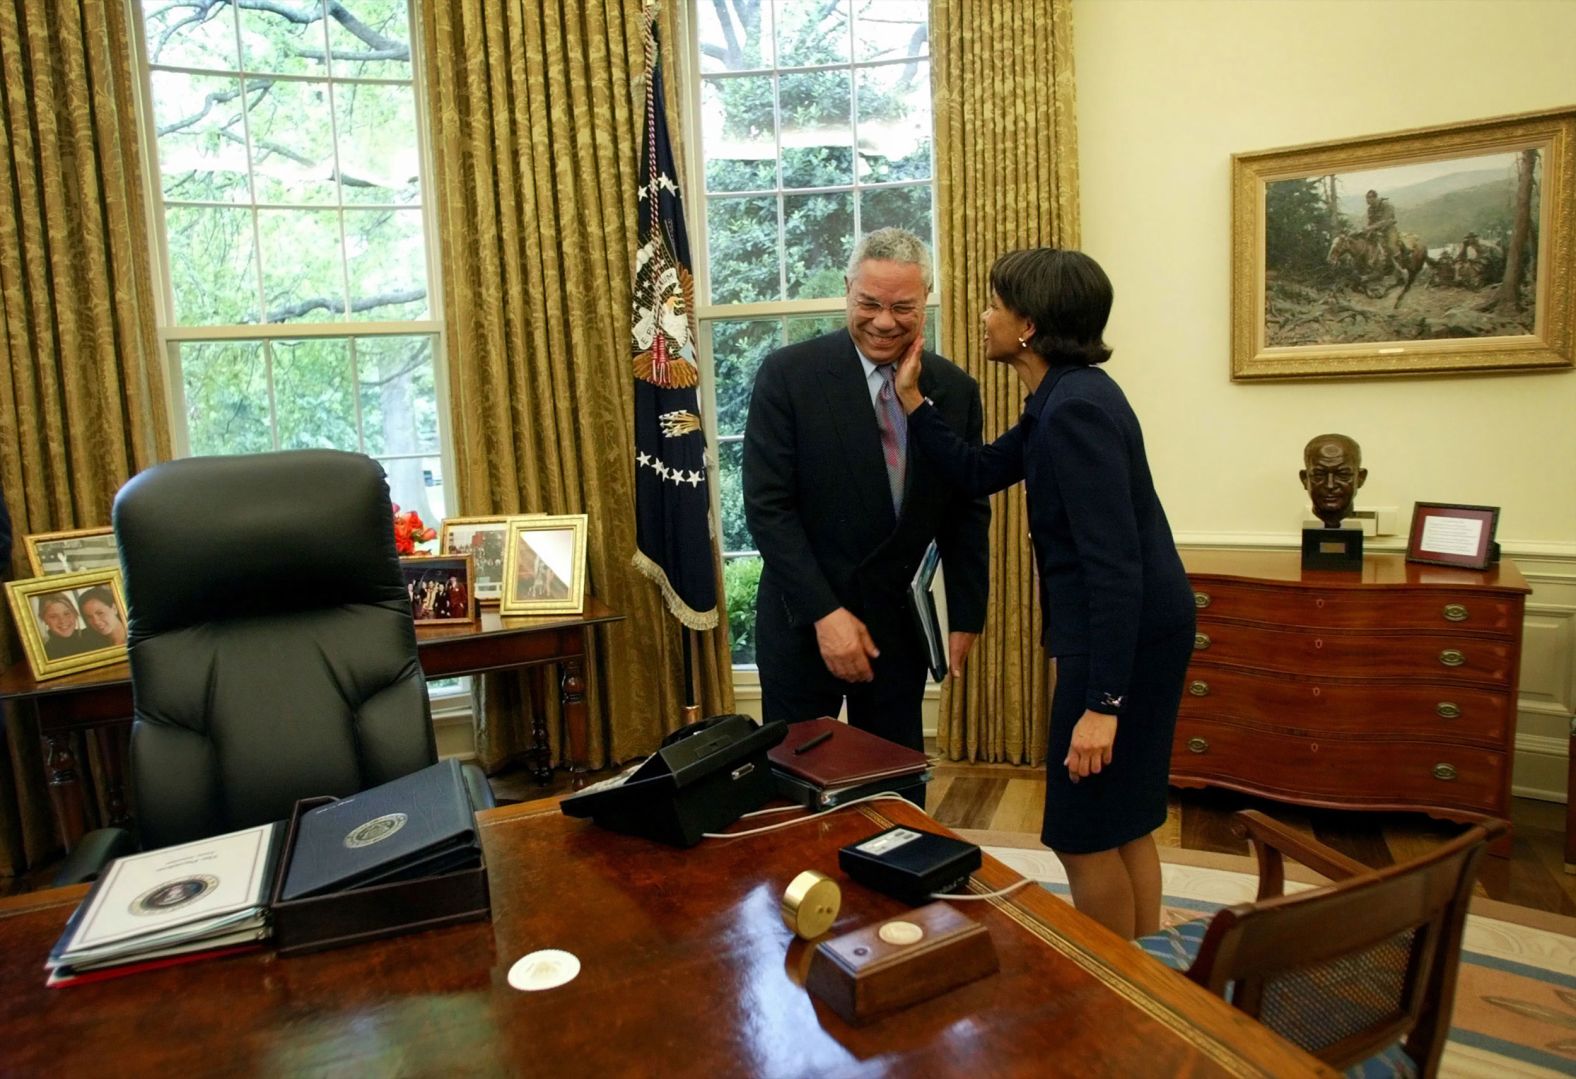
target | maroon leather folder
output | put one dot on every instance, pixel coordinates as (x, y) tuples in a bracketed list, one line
[(849, 757)]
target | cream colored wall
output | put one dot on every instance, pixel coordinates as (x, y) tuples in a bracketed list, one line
[(1168, 90)]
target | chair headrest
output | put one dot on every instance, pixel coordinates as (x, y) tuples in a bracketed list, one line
[(206, 539)]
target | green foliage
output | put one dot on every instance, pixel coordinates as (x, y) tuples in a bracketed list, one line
[(741, 578), (1297, 233)]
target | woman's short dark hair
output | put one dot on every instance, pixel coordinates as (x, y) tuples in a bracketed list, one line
[(1065, 294), (103, 595)]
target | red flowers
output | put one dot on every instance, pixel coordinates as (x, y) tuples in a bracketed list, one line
[(409, 531)]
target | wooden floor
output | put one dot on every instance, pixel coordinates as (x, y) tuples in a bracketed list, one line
[(1008, 798)]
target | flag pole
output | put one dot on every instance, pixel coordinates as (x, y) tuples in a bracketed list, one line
[(691, 708)]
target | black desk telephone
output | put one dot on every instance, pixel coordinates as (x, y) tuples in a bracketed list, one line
[(701, 779)]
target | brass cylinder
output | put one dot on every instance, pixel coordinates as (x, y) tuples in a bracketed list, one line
[(810, 905)]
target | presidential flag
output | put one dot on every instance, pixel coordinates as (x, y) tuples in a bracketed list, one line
[(672, 502)]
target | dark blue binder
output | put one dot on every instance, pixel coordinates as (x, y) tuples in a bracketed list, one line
[(417, 825)]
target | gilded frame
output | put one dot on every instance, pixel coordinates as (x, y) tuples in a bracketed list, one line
[(489, 596), (1548, 345), (571, 549), (37, 546), (25, 598)]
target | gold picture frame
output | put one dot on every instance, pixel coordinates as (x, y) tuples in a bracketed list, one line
[(1391, 254), (60, 633), (545, 565), (76, 550), (441, 588), (488, 563)]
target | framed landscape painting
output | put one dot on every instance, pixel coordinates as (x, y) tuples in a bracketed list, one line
[(1436, 250)]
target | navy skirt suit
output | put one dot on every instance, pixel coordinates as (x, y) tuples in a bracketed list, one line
[(1118, 609)]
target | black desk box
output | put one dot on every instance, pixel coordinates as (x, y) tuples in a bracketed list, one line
[(706, 777)]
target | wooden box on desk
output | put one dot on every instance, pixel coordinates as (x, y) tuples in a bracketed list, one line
[(379, 910), (863, 974)]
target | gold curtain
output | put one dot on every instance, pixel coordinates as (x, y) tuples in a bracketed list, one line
[(1007, 178), (82, 403), (536, 120)]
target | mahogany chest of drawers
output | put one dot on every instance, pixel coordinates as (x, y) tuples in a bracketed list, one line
[(1394, 688)]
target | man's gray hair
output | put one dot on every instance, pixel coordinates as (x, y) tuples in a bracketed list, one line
[(893, 245)]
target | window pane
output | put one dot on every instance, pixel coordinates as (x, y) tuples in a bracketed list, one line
[(416, 483), (730, 462), (387, 263), (737, 348), (741, 578), (802, 329), (226, 386), (301, 267), (735, 37), (313, 398), (812, 32), (378, 159), (817, 235), (273, 43), (175, 38), (737, 129), (372, 43), (884, 29), (202, 144), (399, 404), (905, 207), (818, 138), (213, 264), (894, 123), (741, 237), (292, 142)]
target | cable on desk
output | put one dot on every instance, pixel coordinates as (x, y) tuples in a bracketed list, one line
[(987, 895), (810, 817)]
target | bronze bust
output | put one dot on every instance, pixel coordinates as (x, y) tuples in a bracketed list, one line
[(1332, 471)]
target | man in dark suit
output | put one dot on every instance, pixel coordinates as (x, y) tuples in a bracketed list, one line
[(841, 519)]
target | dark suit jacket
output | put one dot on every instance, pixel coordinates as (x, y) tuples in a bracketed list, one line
[(1110, 577), (818, 504)]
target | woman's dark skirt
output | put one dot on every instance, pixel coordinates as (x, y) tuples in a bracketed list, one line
[(1127, 799)]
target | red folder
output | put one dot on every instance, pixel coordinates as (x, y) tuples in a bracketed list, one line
[(849, 757)]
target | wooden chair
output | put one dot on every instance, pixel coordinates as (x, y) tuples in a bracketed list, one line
[(1362, 972)]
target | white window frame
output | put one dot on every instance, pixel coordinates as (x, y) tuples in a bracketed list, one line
[(171, 336), (746, 677)]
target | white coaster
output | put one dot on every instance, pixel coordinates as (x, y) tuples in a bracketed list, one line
[(546, 969)]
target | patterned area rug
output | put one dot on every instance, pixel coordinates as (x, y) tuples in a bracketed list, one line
[(1516, 995)]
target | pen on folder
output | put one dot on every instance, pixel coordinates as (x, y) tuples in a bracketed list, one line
[(812, 743)]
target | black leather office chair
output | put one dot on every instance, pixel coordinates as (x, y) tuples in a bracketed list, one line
[(272, 651)]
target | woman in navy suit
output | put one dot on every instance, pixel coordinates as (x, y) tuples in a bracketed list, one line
[(1118, 608)]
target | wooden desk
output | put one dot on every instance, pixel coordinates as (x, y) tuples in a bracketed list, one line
[(687, 969), (99, 701)]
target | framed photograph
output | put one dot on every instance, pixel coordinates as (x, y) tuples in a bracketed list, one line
[(70, 622), (440, 587), (545, 565), (1442, 249), (79, 551), (1447, 535), (483, 538)]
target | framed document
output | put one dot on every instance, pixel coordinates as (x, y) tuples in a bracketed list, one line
[(1450, 535)]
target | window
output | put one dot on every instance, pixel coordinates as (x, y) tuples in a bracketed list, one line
[(292, 239), (815, 128)]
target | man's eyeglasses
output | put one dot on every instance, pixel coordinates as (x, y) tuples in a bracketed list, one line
[(901, 311)]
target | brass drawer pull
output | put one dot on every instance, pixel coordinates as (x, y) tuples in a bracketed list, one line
[(1198, 689), (1200, 641), (1197, 745), (1446, 772), (1452, 657), (1448, 710), (1455, 612), (1201, 600)]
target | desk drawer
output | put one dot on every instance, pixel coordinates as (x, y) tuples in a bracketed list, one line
[(1339, 772), (1438, 658), (1367, 608), (1443, 712)]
